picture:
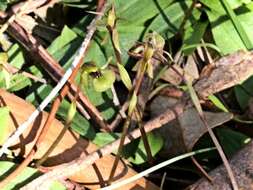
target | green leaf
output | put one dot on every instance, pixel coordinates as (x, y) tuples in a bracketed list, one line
[(135, 151), (102, 100), (16, 56), (193, 35), (4, 119), (243, 93), (169, 20), (17, 81), (138, 12), (128, 35), (101, 139), (230, 42), (66, 37), (215, 5), (124, 76), (24, 177), (79, 123), (156, 143), (231, 140), (217, 103), (237, 25)]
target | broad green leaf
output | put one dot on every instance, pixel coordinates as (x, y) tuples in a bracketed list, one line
[(79, 123), (155, 142), (230, 42), (25, 176), (135, 151), (193, 35), (237, 25), (4, 119), (103, 101), (128, 35), (101, 139), (250, 6), (243, 93), (216, 5), (169, 20), (231, 140), (18, 81), (138, 12), (16, 56), (124, 76), (66, 36)]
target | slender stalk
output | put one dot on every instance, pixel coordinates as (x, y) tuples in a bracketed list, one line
[(144, 137)]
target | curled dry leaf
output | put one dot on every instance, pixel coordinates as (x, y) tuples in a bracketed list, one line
[(71, 147)]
